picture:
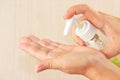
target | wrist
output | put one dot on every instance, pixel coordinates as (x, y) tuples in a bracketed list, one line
[(102, 69)]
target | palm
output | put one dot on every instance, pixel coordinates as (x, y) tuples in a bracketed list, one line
[(68, 58), (43, 49)]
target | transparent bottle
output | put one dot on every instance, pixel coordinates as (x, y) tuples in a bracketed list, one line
[(86, 32), (92, 36)]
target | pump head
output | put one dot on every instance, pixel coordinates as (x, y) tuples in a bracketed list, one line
[(84, 29)]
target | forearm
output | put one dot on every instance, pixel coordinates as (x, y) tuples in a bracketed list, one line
[(103, 69)]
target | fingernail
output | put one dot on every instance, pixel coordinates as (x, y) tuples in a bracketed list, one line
[(38, 71), (40, 68), (81, 44), (65, 17), (47, 40), (34, 38)]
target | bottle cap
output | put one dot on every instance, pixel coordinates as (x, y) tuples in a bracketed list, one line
[(87, 32), (84, 29)]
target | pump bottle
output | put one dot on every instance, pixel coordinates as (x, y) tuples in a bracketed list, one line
[(86, 31)]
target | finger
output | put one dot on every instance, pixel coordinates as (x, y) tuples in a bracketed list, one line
[(51, 42), (48, 64), (55, 47), (25, 39), (37, 52), (37, 40), (34, 49), (44, 42), (107, 15), (90, 14), (59, 45)]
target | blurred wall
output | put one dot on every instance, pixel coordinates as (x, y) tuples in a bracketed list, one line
[(43, 18)]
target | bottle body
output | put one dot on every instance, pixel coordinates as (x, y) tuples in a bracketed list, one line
[(91, 36)]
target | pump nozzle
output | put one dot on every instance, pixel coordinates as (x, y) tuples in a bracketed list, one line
[(69, 23)]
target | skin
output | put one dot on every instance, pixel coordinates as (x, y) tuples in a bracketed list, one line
[(70, 59), (74, 59)]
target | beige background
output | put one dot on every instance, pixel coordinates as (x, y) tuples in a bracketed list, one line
[(43, 18)]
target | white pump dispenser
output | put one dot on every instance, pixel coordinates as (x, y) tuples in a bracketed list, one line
[(86, 32)]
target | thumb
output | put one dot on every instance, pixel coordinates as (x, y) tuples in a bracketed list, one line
[(47, 64)]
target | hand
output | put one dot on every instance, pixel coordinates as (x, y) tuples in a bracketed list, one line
[(67, 58), (70, 59), (108, 24)]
